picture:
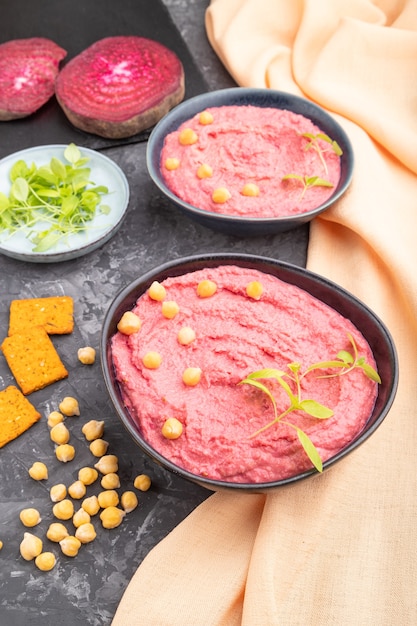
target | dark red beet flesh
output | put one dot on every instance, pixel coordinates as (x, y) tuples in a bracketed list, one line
[(120, 86), (28, 68)]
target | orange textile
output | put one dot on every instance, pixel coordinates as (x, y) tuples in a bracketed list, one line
[(339, 549)]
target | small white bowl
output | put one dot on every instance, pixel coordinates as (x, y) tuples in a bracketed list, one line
[(104, 171)]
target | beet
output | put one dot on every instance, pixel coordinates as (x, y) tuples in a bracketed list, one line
[(28, 68), (120, 86)]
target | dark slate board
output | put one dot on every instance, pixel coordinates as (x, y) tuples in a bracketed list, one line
[(75, 25)]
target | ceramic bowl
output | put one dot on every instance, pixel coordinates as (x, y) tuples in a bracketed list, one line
[(340, 300), (237, 225), (103, 171)]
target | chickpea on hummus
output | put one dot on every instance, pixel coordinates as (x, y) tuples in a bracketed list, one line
[(241, 160), (230, 321)]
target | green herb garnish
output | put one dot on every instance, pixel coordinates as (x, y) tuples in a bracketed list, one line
[(58, 194), (308, 181), (345, 362), (314, 144)]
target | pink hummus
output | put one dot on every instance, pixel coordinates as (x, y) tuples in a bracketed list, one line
[(255, 146), (234, 336)]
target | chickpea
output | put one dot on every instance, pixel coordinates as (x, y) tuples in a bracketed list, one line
[(157, 291), (93, 429), (111, 517), (63, 510), (38, 471), (56, 532), (191, 376), (69, 406), (172, 163), (98, 447), (91, 505), (205, 171), (129, 501), (152, 360), (45, 561), (30, 517), (77, 490), (55, 418), (129, 323), (87, 355), (206, 288), (250, 189), (58, 492), (30, 547), (110, 481), (60, 433), (142, 482), (221, 195), (86, 533), (254, 290), (108, 464), (65, 452), (87, 475), (205, 118), (70, 545), (186, 335), (81, 517), (170, 309), (172, 428), (109, 497), (187, 137)]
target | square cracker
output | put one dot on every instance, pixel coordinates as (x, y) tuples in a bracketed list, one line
[(17, 414), (33, 359), (54, 313)]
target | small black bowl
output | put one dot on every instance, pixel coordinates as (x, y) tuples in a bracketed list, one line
[(334, 296), (238, 225)]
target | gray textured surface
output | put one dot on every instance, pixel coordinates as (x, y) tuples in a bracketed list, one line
[(86, 590)]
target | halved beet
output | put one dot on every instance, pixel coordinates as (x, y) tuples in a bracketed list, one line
[(28, 68), (120, 86)]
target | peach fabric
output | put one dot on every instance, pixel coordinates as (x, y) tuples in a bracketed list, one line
[(340, 549)]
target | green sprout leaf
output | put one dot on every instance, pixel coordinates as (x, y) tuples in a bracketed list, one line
[(314, 144), (20, 190), (72, 154), (309, 448), (315, 409), (308, 182)]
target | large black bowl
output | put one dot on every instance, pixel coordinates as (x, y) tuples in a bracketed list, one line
[(237, 225), (339, 299)]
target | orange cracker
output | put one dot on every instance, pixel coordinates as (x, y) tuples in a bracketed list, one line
[(54, 313), (33, 359), (17, 414)]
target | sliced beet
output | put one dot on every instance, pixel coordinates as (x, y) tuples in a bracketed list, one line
[(120, 86), (28, 68)]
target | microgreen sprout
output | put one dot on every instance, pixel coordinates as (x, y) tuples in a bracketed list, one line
[(308, 181), (58, 194), (290, 382), (314, 144)]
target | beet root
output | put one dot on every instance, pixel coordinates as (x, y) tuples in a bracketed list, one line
[(28, 69), (120, 86)]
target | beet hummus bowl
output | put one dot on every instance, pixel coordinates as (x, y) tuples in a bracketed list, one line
[(248, 161), (243, 372)]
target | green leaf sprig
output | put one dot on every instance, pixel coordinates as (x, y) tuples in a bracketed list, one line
[(314, 144), (345, 362), (308, 181), (58, 194)]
